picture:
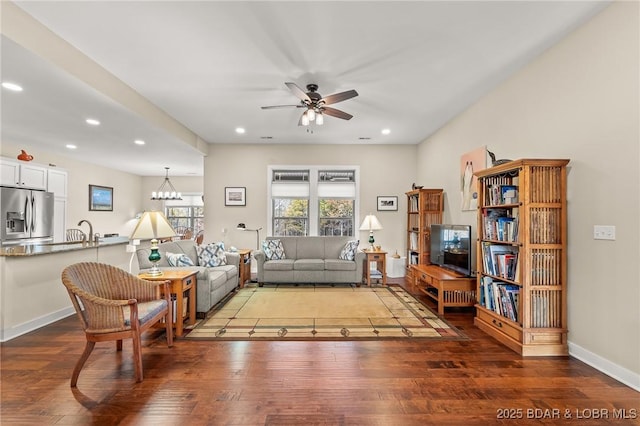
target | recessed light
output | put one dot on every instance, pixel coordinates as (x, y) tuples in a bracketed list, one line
[(139, 142), (11, 86), (92, 121), (240, 130), (71, 146), (386, 131)]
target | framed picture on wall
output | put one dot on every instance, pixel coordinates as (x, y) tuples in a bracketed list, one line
[(389, 203), (235, 196), (100, 198)]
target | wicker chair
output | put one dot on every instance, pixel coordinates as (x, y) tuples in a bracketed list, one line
[(75, 234), (114, 305)]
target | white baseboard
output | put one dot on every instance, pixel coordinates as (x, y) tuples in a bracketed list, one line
[(621, 374), (34, 324)]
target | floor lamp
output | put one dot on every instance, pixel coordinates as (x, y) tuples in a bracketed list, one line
[(242, 227)]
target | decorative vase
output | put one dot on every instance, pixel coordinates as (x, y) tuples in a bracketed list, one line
[(23, 156)]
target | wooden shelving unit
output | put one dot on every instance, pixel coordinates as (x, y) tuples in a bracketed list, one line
[(424, 208), (522, 255)]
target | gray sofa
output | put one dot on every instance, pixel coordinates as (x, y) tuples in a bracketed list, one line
[(213, 283), (310, 260)]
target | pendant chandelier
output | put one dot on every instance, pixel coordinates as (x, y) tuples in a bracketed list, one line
[(166, 190)]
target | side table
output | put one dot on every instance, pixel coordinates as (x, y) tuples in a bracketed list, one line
[(244, 273), (379, 257), (182, 281)]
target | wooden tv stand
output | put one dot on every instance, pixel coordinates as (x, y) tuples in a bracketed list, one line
[(446, 287)]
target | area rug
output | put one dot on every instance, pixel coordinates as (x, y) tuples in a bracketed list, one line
[(307, 312)]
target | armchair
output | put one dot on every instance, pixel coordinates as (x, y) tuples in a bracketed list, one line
[(112, 304)]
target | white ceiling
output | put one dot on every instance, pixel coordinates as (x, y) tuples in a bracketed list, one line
[(211, 65)]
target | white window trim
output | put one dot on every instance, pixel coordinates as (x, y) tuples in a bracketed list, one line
[(313, 194)]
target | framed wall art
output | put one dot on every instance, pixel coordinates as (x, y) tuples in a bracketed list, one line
[(100, 198), (235, 196), (388, 203)]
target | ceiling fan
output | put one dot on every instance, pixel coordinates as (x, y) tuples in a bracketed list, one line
[(315, 105)]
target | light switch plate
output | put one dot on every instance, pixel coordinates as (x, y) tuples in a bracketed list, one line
[(604, 232)]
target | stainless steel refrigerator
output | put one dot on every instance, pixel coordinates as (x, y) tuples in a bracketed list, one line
[(27, 216)]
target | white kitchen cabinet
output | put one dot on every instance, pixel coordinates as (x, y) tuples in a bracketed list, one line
[(57, 182), (22, 175)]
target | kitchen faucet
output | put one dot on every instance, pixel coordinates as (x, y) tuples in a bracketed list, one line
[(90, 229)]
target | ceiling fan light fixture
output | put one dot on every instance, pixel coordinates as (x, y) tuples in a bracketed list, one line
[(311, 114), (305, 119), (319, 119)]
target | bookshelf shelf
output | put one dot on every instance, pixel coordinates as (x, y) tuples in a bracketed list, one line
[(521, 257), (424, 208)]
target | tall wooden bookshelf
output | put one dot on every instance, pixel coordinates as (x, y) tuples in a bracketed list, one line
[(522, 255), (424, 208)]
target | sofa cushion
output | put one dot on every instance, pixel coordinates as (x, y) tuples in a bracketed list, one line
[(216, 278), (273, 250), (310, 248), (339, 265), (179, 259), (279, 265), (309, 265), (211, 255), (349, 250)]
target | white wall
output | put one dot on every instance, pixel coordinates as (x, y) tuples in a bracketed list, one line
[(384, 170), (579, 100)]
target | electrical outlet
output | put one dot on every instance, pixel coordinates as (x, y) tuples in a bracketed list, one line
[(604, 232)]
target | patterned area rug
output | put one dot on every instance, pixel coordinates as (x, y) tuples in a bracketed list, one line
[(306, 312)]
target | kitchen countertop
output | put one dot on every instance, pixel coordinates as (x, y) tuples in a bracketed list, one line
[(51, 248)]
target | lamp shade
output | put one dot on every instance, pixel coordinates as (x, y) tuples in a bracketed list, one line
[(370, 223), (152, 225)]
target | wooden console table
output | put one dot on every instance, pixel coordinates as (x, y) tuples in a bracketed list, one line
[(182, 281), (446, 287)]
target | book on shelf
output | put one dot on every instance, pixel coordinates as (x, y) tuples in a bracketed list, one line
[(500, 224), (500, 297), (500, 260), (509, 194), (502, 194)]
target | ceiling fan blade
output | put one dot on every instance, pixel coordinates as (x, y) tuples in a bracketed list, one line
[(339, 97), (283, 106), (336, 113), (298, 92)]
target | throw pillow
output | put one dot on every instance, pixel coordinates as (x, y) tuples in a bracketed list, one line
[(349, 250), (273, 249), (178, 259), (212, 254)]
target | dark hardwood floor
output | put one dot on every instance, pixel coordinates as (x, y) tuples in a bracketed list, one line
[(475, 382)]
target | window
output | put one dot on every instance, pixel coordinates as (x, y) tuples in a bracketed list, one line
[(290, 202), (186, 213), (336, 202), (313, 201)]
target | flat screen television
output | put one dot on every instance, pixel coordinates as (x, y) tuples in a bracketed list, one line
[(451, 247)]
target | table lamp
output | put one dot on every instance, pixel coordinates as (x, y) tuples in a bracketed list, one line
[(153, 225), (371, 223)]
